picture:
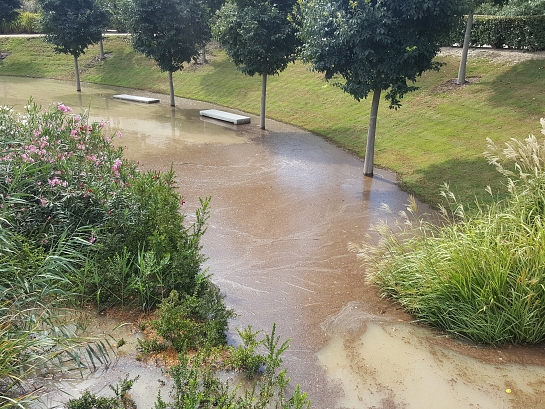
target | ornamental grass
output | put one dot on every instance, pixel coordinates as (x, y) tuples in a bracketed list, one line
[(478, 274)]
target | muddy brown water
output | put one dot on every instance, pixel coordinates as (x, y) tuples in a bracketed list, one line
[(285, 203)]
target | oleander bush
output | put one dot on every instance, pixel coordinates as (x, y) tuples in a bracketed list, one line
[(479, 275), (62, 177), (81, 225)]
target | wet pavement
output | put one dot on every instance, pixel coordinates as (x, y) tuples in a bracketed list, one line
[(285, 205)]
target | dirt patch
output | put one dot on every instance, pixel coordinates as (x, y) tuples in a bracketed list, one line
[(451, 85)]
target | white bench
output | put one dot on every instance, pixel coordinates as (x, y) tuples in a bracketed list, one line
[(226, 116), (135, 98)]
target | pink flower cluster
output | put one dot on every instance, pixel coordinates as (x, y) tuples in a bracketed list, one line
[(56, 182), (64, 108), (116, 166)]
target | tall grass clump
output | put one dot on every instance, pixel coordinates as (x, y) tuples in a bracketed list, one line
[(36, 335), (479, 275)]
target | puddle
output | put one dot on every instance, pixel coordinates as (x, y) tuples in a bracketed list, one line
[(285, 203), (158, 128), (393, 365)]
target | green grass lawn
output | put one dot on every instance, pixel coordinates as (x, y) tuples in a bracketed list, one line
[(437, 136)]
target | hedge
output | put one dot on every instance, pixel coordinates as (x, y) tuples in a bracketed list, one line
[(525, 32)]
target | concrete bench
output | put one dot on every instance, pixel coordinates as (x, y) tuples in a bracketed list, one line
[(135, 98), (226, 116)]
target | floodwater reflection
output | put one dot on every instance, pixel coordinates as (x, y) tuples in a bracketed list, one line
[(285, 203)]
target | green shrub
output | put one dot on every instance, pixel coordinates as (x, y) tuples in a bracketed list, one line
[(244, 357), (25, 23), (479, 275), (197, 385), (523, 32), (193, 321), (121, 400), (63, 176)]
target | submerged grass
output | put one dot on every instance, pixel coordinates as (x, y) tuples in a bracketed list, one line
[(480, 275), (437, 136)]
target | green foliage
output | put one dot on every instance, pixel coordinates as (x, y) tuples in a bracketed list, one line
[(119, 14), (259, 36), (375, 45), (193, 321), (513, 8), (478, 274), (64, 179), (244, 357), (71, 26), (197, 385), (526, 32), (35, 334), (119, 401), (25, 23), (8, 10), (171, 32)]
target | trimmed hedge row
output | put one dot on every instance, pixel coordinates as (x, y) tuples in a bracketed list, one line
[(525, 32)]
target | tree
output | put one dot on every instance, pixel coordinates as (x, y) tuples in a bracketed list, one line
[(260, 37), (374, 46), (171, 32), (8, 10), (72, 26), (471, 6)]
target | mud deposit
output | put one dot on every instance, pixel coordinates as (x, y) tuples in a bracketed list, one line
[(285, 203)]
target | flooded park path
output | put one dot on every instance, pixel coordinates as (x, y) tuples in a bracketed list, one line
[(285, 204)]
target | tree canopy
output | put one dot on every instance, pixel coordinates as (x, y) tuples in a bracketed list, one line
[(171, 32), (8, 9), (259, 36), (375, 45), (72, 26)]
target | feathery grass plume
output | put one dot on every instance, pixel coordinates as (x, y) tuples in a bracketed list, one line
[(478, 274)]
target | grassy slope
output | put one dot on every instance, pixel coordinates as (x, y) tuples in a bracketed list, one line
[(437, 136)]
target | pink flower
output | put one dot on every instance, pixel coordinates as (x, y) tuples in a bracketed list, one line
[(43, 201), (92, 239), (73, 132), (56, 181), (64, 108), (116, 166), (119, 134), (27, 158)]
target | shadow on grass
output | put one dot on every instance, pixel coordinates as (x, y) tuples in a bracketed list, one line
[(467, 179), (10, 66), (518, 88)]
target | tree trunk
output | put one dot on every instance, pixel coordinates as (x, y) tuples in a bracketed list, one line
[(78, 86), (171, 84), (101, 43), (463, 63), (204, 60), (263, 100), (370, 148)]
